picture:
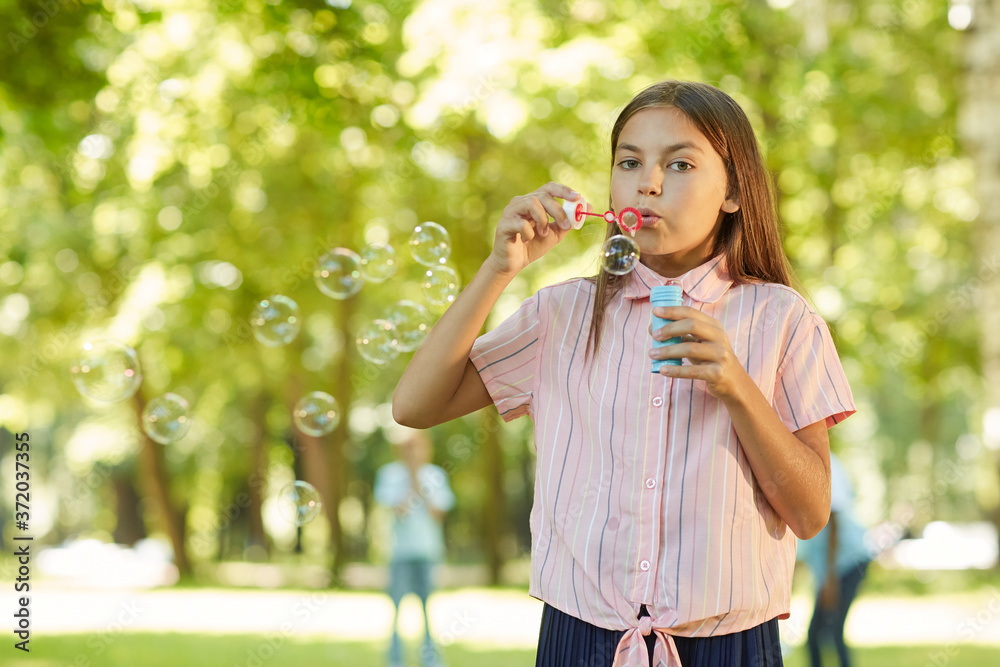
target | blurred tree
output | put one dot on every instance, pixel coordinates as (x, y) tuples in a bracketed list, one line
[(164, 166), (129, 527), (980, 110), (157, 484)]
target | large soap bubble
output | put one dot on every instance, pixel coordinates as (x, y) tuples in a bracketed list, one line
[(165, 418), (299, 502), (430, 244), (338, 274), (412, 322), (316, 414), (621, 254), (106, 371), (378, 262), (378, 342), (441, 285), (276, 321)]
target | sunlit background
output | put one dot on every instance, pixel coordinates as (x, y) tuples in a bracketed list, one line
[(165, 166)]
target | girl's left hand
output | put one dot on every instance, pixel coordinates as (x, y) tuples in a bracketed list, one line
[(705, 344)]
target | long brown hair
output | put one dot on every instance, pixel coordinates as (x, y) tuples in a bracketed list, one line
[(749, 238)]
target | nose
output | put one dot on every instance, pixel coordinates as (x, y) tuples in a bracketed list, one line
[(651, 181)]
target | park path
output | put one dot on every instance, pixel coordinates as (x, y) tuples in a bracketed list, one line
[(507, 618)]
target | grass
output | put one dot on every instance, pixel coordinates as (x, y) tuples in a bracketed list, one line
[(908, 656), (170, 650)]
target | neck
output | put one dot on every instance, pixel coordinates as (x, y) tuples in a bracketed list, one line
[(675, 264)]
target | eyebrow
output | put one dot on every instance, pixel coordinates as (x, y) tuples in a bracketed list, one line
[(670, 149)]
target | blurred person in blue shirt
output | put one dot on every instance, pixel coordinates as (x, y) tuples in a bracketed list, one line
[(838, 559), (419, 494)]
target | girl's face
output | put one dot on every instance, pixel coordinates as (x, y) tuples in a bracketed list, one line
[(665, 167)]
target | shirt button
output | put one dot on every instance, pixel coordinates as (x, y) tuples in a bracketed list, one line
[(657, 401), (650, 483), (644, 566)]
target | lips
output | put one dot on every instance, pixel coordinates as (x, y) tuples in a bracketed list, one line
[(648, 215)]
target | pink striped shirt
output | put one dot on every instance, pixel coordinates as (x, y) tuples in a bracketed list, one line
[(643, 494)]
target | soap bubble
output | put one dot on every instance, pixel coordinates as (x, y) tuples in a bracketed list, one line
[(621, 254), (378, 342), (316, 414), (338, 274), (299, 502), (378, 262), (107, 371), (276, 321), (165, 418), (430, 244), (440, 285), (412, 324)]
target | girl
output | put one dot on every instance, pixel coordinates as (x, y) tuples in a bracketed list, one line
[(666, 505)]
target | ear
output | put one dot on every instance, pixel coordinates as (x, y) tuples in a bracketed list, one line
[(731, 205)]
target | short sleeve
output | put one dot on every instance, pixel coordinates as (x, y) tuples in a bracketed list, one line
[(811, 385), (506, 359)]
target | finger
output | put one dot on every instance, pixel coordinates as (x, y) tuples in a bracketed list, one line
[(683, 372), (682, 313), (674, 330), (520, 219), (508, 228), (539, 215), (663, 332), (526, 207), (689, 327), (695, 352), (667, 334), (555, 209), (559, 190), (536, 211), (527, 231)]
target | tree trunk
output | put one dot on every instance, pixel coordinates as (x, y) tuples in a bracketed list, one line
[(310, 459), (981, 132), (495, 509), (258, 474), (309, 451), (930, 432), (129, 527), (157, 486), (344, 382)]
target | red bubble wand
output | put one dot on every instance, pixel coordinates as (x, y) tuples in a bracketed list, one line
[(629, 219)]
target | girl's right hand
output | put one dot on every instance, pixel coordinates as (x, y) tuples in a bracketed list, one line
[(525, 233)]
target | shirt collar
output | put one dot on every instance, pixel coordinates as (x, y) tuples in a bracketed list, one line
[(706, 283)]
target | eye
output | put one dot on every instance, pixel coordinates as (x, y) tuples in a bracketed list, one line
[(682, 166), (629, 163)]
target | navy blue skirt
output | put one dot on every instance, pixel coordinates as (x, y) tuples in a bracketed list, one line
[(566, 641)]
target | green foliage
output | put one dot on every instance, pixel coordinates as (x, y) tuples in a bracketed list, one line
[(144, 145), (164, 650)]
